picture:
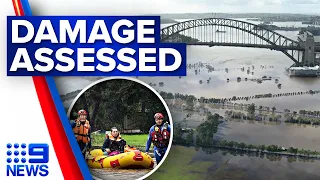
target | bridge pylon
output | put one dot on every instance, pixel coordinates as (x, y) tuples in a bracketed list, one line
[(309, 55)]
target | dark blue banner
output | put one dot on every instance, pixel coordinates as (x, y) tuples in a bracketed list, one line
[(91, 46)]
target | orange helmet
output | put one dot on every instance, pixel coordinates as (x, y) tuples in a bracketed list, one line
[(158, 116), (82, 112)]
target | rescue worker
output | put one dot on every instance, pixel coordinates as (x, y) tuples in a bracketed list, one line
[(81, 129), (159, 135), (113, 143)]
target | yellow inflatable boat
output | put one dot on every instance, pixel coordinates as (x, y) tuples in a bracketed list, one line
[(130, 159)]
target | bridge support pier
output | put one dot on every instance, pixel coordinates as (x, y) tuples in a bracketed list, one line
[(308, 58)]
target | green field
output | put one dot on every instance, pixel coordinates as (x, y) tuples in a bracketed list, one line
[(138, 140), (178, 165), (181, 164)]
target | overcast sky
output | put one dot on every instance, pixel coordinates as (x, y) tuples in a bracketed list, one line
[(109, 7)]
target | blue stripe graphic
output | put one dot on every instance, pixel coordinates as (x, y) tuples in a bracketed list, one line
[(62, 114)]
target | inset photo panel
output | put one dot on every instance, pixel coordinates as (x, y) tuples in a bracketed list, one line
[(123, 128)]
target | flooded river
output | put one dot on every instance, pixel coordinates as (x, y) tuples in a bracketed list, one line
[(197, 163), (286, 135), (259, 133), (233, 59), (218, 165), (262, 62)]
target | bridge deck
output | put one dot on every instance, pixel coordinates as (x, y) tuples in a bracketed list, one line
[(236, 33), (272, 47)]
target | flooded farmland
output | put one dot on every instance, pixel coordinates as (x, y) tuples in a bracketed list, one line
[(248, 64)]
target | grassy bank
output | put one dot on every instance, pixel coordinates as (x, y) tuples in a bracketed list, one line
[(137, 140), (182, 164)]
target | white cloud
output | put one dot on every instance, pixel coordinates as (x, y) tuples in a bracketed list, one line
[(302, 2)]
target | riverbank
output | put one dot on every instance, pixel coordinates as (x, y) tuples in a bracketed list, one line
[(258, 96), (311, 28), (168, 21), (271, 149), (242, 111), (169, 95), (265, 116), (204, 136), (195, 163)]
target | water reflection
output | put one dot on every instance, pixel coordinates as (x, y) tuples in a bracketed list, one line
[(261, 155), (212, 163), (256, 166), (228, 72), (225, 84), (256, 132)]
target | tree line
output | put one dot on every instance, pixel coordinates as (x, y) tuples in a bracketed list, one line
[(120, 103), (203, 136), (257, 154), (169, 95)]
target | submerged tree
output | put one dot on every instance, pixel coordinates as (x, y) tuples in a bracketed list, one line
[(251, 109), (207, 129)]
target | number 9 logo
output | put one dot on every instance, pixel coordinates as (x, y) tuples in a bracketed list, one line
[(41, 150)]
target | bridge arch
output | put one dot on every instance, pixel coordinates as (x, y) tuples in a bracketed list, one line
[(273, 40)]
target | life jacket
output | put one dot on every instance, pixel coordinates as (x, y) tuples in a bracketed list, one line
[(160, 137), (115, 143), (128, 148), (81, 131)]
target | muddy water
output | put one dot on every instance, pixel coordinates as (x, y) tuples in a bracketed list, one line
[(197, 163), (258, 133), (191, 122), (266, 63), (251, 167), (286, 135), (233, 59)]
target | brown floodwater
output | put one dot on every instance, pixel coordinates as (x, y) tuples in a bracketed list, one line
[(233, 59), (250, 166), (259, 133), (286, 135), (266, 63)]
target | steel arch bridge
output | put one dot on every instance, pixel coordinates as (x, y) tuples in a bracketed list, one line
[(230, 32)]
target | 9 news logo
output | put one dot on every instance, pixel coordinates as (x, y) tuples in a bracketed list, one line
[(32, 162)]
